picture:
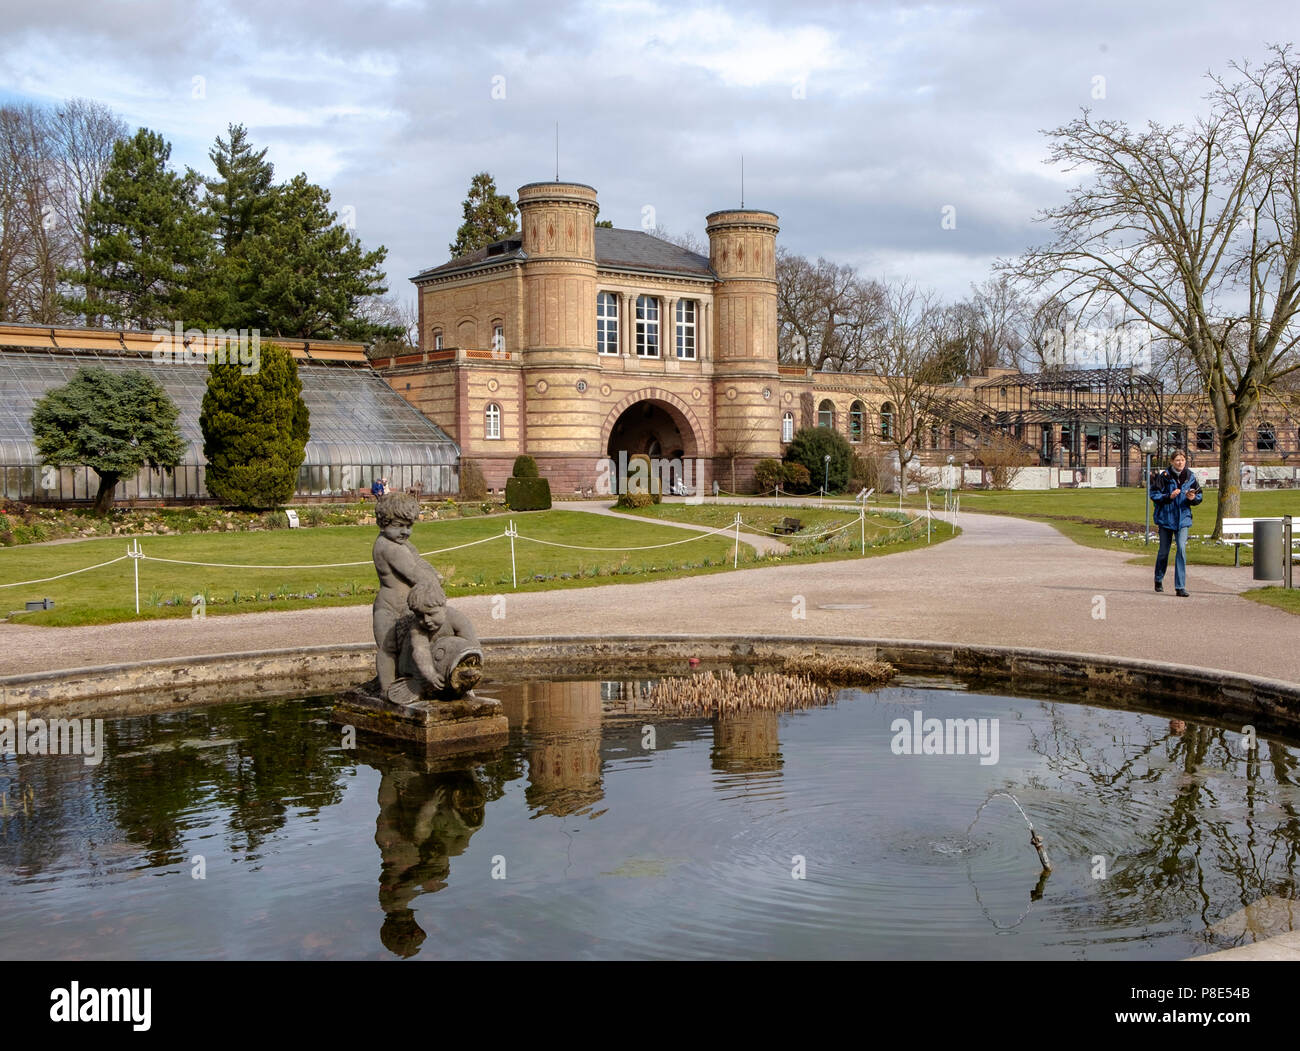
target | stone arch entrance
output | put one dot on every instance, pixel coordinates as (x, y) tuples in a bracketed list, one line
[(660, 428)]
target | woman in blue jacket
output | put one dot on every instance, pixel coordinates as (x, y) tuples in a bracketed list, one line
[(1174, 492)]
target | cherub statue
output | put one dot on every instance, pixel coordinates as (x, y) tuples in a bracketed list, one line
[(424, 644), (438, 654)]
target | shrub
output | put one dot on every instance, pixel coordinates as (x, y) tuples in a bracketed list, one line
[(634, 500), (528, 494), (811, 445), (255, 430), (795, 477), (473, 487), (525, 467), (768, 474)]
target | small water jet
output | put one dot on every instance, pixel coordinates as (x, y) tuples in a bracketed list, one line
[(1035, 840)]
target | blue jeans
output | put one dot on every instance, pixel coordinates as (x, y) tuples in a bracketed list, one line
[(1167, 537)]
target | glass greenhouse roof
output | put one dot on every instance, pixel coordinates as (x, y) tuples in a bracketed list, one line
[(356, 418)]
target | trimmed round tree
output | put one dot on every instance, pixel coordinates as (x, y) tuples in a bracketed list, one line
[(255, 430), (112, 422), (812, 445)]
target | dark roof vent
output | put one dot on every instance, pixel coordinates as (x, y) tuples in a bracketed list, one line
[(504, 247)]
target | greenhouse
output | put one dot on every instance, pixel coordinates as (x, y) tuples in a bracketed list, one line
[(361, 429)]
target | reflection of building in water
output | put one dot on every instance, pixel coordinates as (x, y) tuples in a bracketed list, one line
[(747, 743), (428, 809), (561, 723)]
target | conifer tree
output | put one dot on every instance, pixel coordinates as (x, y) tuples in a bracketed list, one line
[(255, 430), (112, 422), (150, 242), (489, 216)]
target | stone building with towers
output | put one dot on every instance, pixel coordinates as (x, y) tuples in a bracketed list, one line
[(574, 343)]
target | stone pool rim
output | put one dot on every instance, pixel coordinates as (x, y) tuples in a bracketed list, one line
[(171, 683)]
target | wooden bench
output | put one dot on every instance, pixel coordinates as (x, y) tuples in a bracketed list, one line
[(788, 526), (1238, 531)]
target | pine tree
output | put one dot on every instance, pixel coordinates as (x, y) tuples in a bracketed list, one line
[(255, 430), (113, 422), (238, 202), (150, 243), (310, 276), (489, 216)]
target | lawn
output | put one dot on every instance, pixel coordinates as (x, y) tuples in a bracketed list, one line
[(1091, 516), (167, 589), (1282, 599)]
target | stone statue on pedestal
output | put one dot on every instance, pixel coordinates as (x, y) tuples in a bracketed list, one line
[(423, 649), (427, 657)]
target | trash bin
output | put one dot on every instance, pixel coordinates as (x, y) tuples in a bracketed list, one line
[(1268, 549)]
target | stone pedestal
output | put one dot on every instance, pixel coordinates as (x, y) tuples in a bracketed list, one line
[(445, 726)]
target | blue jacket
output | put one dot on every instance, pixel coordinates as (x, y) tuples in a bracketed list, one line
[(1174, 512)]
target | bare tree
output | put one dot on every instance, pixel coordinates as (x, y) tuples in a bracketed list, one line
[(1194, 230), (81, 133), (902, 357), (826, 313)]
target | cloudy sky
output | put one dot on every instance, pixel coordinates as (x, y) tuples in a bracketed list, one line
[(859, 123)]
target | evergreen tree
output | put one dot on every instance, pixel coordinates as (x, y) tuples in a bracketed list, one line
[(150, 242), (241, 194), (113, 422), (489, 216), (255, 430), (308, 277), (238, 201)]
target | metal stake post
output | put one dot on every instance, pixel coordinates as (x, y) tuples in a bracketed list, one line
[(511, 533), (735, 560), (135, 553)]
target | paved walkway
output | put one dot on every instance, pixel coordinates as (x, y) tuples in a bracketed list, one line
[(1004, 581)]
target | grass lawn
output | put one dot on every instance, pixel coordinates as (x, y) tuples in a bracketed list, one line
[(166, 589), (1285, 600), (1084, 515), (762, 520)]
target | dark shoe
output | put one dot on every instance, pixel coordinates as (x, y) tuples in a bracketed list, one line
[(1159, 586), (1181, 593)]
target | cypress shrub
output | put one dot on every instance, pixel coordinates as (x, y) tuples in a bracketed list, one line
[(525, 467)]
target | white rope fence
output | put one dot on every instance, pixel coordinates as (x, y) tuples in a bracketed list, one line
[(136, 554)]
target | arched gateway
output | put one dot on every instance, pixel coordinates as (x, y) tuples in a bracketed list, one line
[(659, 425)]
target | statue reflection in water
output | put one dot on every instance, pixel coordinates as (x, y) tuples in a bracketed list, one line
[(428, 810)]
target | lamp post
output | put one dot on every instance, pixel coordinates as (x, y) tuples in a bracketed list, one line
[(1148, 445), (826, 472), (951, 460)]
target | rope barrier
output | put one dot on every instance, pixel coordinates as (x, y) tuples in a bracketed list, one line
[(70, 573), (648, 547), (323, 565)]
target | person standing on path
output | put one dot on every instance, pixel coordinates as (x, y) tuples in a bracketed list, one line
[(1174, 492)]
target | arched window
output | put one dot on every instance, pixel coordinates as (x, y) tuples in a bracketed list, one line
[(647, 327), (787, 427), (606, 323), (826, 414), (498, 338), (887, 420), (856, 413), (1266, 438), (492, 421), (934, 435)]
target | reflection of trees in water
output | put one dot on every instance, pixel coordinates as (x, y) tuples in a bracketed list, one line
[(276, 759), (1216, 828), (428, 810)]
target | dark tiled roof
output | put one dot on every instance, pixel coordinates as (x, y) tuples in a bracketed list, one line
[(633, 249), (642, 251)]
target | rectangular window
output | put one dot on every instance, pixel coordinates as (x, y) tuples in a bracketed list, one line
[(498, 339), (437, 341), (686, 328), (647, 327), (606, 323)]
